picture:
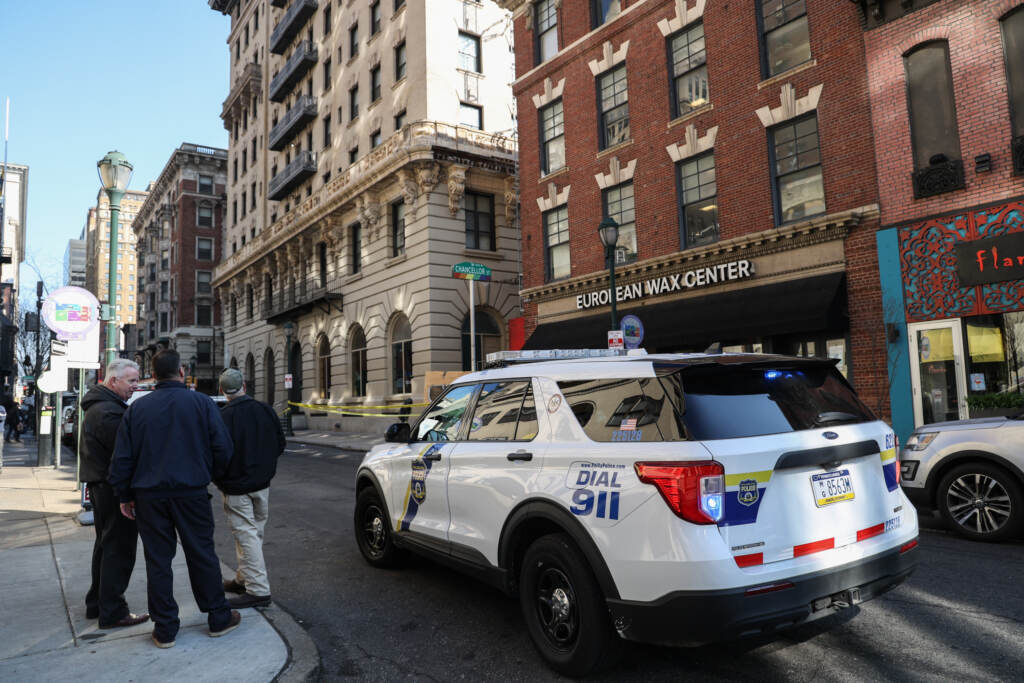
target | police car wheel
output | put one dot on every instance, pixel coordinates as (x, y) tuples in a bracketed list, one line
[(982, 502), (373, 531), (564, 609)]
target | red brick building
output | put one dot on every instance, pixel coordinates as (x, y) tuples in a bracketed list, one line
[(732, 144), (180, 237), (946, 82)]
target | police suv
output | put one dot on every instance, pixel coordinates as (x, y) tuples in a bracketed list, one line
[(674, 499)]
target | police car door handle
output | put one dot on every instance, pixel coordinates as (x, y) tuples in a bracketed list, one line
[(520, 455), (435, 456)]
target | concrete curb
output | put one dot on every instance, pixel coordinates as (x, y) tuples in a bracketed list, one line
[(303, 657), (313, 441)]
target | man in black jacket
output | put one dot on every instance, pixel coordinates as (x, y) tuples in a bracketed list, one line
[(113, 553), (258, 440), (170, 445)]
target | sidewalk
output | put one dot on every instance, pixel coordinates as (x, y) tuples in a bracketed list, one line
[(346, 441), (45, 560)]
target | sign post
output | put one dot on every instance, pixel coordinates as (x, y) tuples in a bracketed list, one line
[(467, 270)]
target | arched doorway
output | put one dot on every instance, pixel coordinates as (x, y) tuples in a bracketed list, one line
[(488, 338), (269, 376)]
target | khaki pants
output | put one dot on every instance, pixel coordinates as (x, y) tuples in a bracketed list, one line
[(247, 515)]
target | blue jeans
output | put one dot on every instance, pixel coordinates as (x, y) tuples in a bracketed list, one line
[(11, 428)]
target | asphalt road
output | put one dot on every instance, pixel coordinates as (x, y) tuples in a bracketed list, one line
[(959, 617)]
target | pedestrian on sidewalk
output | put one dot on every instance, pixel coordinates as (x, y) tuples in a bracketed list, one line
[(258, 442), (171, 444), (113, 552), (11, 421)]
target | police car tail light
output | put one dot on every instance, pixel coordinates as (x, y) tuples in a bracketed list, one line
[(694, 491)]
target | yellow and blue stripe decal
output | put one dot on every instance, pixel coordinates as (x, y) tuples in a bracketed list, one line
[(416, 493), (890, 463), (743, 495)]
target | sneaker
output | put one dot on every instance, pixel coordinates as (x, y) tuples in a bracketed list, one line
[(232, 586), (162, 644), (236, 619), (249, 600)]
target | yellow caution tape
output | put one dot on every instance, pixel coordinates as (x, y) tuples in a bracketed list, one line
[(345, 410)]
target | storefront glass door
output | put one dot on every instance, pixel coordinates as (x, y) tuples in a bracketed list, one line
[(937, 371)]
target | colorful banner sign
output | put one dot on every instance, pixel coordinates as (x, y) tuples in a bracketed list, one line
[(71, 312)]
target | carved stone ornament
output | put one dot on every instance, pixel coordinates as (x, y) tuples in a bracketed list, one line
[(683, 17), (790, 106), (428, 175), (456, 186), (692, 145), (410, 190), (369, 211), (617, 173), (511, 199)]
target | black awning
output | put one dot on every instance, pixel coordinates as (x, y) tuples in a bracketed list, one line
[(806, 305)]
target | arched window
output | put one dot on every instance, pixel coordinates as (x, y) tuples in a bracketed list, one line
[(933, 129), (323, 367), (1013, 50), (401, 356), (488, 338), (358, 361), (269, 376), (250, 375)]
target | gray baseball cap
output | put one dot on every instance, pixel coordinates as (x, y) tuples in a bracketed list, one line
[(231, 381)]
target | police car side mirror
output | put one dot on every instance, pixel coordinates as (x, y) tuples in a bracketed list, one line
[(398, 433)]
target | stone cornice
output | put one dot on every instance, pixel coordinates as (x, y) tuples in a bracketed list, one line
[(771, 241)]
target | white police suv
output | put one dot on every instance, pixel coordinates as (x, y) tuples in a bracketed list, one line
[(674, 499)]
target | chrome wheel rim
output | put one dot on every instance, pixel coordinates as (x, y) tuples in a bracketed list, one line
[(978, 503), (374, 532), (556, 608)]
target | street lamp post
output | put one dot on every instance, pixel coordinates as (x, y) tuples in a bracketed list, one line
[(289, 327), (608, 231), (192, 371), (115, 174)]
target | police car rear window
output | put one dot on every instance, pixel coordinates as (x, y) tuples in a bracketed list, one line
[(626, 409), (729, 402)]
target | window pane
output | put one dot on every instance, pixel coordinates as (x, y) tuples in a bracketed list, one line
[(702, 223), (801, 194), (606, 9), (634, 410), (442, 421), (469, 52), (619, 205), (933, 128), (470, 115), (1013, 45), (548, 44), (787, 46), (497, 411), (556, 232)]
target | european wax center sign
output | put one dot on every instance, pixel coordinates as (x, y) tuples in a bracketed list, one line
[(691, 279)]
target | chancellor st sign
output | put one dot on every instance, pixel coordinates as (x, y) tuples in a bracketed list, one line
[(467, 270), (676, 282)]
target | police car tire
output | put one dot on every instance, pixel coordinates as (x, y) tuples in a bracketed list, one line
[(373, 531), (580, 640), (1011, 528)]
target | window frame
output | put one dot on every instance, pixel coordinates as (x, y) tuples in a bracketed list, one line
[(375, 84), (604, 212), (598, 17), (355, 248), (675, 79), (199, 216), (602, 130), (549, 275), (353, 40), (405, 351), (545, 142), (478, 109), (477, 58), (539, 33), (357, 361), (477, 196), (397, 236), (684, 242), (199, 249), (400, 61), (762, 33), (323, 367), (200, 184), (375, 18), (1015, 99), (918, 162), (773, 167), (208, 283), (353, 102), (528, 392)]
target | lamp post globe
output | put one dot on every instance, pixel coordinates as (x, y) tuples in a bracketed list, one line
[(289, 327), (115, 173), (608, 232)]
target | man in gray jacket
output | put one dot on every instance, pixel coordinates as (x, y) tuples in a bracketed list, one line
[(258, 442)]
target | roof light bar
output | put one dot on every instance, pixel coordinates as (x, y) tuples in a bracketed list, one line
[(535, 355)]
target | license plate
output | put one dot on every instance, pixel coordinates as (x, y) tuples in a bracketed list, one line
[(832, 487)]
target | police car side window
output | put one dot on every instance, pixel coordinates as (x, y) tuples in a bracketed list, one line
[(441, 422), (624, 409), (500, 408)]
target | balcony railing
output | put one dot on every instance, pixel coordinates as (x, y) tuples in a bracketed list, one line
[(293, 71), (295, 17), (298, 298), (1017, 148), (302, 167), (938, 178), (294, 121)]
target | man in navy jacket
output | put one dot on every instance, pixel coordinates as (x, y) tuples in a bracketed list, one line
[(170, 445)]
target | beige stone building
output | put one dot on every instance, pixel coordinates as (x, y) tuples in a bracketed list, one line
[(97, 237), (371, 149)]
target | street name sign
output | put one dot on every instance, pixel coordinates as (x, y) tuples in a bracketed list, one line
[(467, 270)]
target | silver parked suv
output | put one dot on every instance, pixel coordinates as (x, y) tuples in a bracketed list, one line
[(972, 471)]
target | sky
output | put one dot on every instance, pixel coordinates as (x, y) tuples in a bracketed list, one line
[(85, 77)]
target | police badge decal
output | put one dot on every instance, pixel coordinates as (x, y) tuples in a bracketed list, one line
[(747, 494)]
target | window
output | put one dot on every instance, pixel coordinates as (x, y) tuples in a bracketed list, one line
[(375, 139), (618, 204), (614, 107), (243, 203), (399, 120), (353, 103), (357, 362), (165, 259), (250, 375), (321, 253), (327, 18), (602, 11), (245, 164), (151, 299), (353, 41), (397, 228), (1013, 46), (356, 245), (204, 249), (698, 190), (471, 115), (323, 367), (689, 70), (642, 409), (375, 18), (552, 137), (205, 219), (203, 352), (204, 314), (375, 83), (504, 411), (786, 41), (400, 61), (250, 306), (353, 155), (399, 4), (401, 356), (479, 221), (269, 375), (204, 278), (469, 52), (164, 290), (797, 169), (234, 211), (327, 131), (252, 195), (163, 321), (933, 126), (556, 243), (488, 338), (545, 17), (205, 184), (234, 311), (443, 420), (327, 74)]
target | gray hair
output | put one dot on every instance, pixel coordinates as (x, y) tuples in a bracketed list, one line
[(119, 366)]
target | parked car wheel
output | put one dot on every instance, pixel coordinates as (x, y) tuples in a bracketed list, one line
[(564, 609), (373, 531), (982, 502)]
